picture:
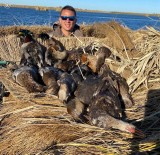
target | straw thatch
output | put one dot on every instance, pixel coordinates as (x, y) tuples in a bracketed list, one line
[(10, 30), (40, 124), (115, 35)]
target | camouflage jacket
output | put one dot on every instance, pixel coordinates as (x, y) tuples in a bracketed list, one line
[(58, 33)]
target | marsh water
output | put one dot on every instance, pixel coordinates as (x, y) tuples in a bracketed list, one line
[(25, 16)]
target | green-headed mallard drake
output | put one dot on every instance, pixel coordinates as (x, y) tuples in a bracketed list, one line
[(32, 53)]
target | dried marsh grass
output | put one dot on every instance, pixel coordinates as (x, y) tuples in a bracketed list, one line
[(9, 48), (13, 30), (40, 124)]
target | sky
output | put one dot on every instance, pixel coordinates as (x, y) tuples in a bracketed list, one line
[(137, 6)]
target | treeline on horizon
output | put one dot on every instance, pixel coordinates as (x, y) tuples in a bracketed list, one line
[(42, 8)]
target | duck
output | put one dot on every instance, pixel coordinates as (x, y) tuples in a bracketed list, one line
[(50, 75), (101, 99), (25, 35), (80, 72), (77, 107), (27, 77), (55, 49), (96, 60), (93, 61), (77, 110), (119, 83), (55, 55), (43, 36), (87, 88), (104, 114), (65, 66), (55, 52), (32, 52), (67, 86), (75, 54)]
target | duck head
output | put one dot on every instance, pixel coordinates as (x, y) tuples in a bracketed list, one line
[(43, 36), (25, 36)]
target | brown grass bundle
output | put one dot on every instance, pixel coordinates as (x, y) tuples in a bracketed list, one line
[(9, 48), (114, 35), (13, 30), (146, 67)]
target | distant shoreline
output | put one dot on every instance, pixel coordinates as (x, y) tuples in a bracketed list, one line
[(41, 8)]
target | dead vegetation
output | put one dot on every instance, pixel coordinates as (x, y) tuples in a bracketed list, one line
[(13, 30), (40, 124)]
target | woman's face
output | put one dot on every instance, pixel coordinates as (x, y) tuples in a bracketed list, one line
[(67, 20)]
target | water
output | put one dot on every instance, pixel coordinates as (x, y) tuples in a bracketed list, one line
[(21, 16)]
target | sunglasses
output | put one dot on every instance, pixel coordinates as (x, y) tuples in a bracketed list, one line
[(71, 18)]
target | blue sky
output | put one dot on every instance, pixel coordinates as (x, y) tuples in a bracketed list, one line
[(140, 6)]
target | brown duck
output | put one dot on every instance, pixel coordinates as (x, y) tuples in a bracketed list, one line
[(104, 105), (67, 87), (50, 75), (27, 77), (97, 60), (119, 84), (55, 52)]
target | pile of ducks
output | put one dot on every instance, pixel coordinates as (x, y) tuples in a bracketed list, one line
[(80, 78)]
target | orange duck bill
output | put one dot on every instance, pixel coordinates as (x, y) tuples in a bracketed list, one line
[(137, 132)]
